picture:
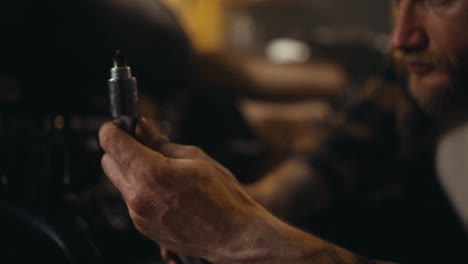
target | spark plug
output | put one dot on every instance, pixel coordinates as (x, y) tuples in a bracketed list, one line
[(123, 95)]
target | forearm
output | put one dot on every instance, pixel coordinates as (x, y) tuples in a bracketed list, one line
[(276, 242)]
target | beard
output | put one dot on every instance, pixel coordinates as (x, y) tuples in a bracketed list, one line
[(448, 91), (435, 101)]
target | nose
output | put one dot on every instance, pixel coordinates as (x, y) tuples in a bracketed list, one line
[(408, 27)]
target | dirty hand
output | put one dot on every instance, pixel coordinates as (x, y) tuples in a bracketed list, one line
[(178, 196)]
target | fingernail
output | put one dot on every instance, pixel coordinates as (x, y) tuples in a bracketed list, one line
[(144, 121), (164, 139), (118, 122)]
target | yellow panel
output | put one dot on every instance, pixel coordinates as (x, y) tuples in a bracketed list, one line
[(204, 20)]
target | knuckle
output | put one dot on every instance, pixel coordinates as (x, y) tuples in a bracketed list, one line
[(198, 171), (155, 141), (192, 151), (139, 223), (138, 203), (105, 164), (144, 201), (104, 161)]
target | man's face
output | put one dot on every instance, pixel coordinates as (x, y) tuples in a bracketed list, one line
[(430, 41)]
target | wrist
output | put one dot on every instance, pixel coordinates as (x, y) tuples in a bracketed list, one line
[(266, 239)]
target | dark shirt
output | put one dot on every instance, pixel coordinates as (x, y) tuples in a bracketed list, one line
[(387, 201)]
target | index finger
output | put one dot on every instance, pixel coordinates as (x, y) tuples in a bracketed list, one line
[(149, 136)]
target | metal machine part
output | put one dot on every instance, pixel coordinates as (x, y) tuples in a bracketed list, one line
[(123, 95)]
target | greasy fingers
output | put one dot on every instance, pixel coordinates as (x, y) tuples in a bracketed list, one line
[(183, 152), (149, 136)]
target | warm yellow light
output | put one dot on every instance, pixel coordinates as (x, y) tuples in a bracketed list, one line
[(204, 21)]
